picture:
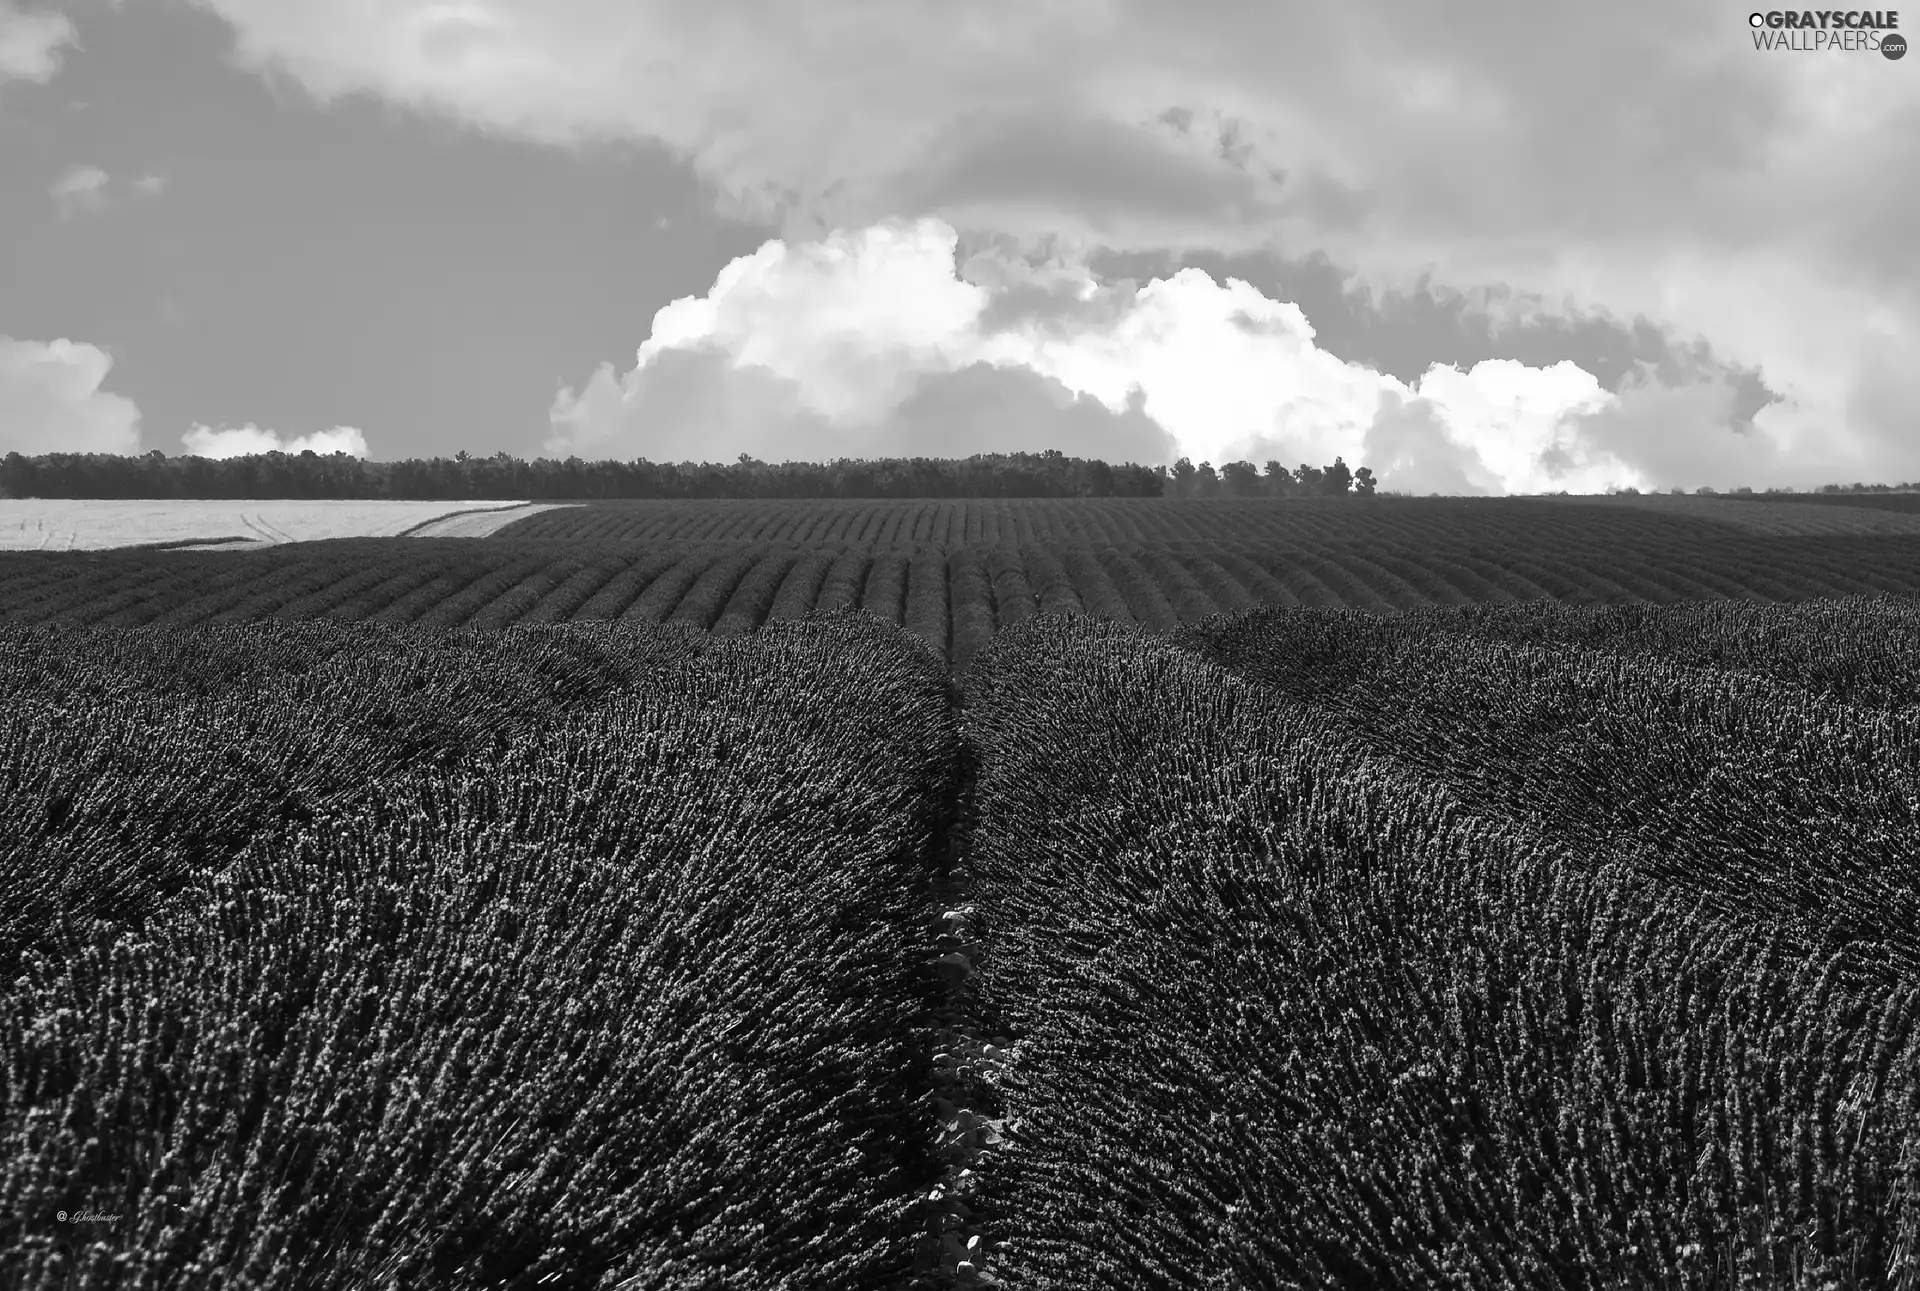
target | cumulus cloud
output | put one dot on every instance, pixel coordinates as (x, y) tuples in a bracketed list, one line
[(80, 190), (51, 401), (860, 344), (31, 41), (238, 441), (1405, 332), (875, 344), (863, 344), (693, 404), (1760, 200)]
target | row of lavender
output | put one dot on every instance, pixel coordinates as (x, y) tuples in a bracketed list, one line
[(954, 600), (1322, 951), (569, 957), (1514, 945)]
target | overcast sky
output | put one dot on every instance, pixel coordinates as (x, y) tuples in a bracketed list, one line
[(1480, 247)]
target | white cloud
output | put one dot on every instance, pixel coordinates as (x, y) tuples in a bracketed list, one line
[(238, 441), (51, 401), (863, 344), (80, 190), (871, 344), (84, 190), (31, 41), (1762, 200)]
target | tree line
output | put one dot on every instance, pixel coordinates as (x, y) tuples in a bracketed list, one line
[(1244, 480), (1050, 474)]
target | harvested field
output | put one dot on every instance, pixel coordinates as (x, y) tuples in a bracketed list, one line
[(99, 524)]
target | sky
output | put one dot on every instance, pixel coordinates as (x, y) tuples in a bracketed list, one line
[(1480, 248)]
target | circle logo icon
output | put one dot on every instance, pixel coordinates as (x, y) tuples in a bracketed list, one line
[(1756, 20), (1893, 46)]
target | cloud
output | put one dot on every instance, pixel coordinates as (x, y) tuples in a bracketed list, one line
[(51, 401), (1087, 108), (1403, 332), (796, 352), (863, 344), (84, 190), (1757, 200), (1881, 400), (81, 190), (1410, 450), (693, 404), (238, 441), (874, 344), (985, 408), (1684, 435), (30, 43)]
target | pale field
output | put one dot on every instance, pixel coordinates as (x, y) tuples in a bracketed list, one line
[(1773, 519), (98, 524)]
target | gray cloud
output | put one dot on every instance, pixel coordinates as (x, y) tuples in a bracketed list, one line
[(1408, 448), (982, 408), (31, 41), (691, 405), (88, 190), (697, 405), (1041, 287), (1683, 434), (80, 190), (1404, 332), (1047, 157), (1881, 400)]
